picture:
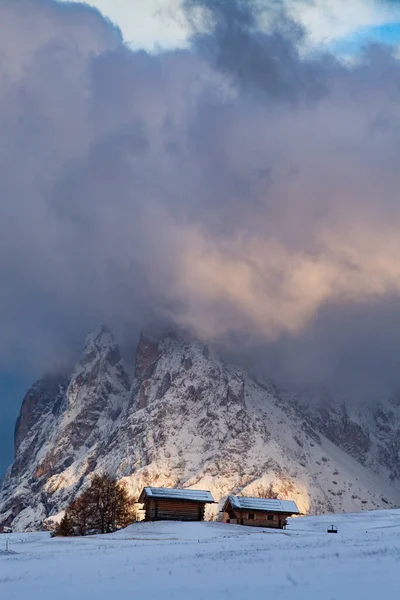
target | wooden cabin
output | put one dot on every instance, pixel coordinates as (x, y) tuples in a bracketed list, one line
[(4, 529), (164, 504), (258, 512)]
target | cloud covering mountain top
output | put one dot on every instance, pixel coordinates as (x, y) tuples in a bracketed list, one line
[(235, 188)]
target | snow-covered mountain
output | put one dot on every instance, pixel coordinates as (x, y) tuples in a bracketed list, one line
[(185, 418)]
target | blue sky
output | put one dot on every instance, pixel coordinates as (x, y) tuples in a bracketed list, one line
[(13, 386), (342, 25), (388, 33)]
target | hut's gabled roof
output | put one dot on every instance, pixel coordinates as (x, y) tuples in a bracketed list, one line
[(176, 494), (263, 504)]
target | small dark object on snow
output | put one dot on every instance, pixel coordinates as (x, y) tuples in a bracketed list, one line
[(332, 529)]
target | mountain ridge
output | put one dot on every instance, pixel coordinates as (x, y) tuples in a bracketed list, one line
[(182, 417)]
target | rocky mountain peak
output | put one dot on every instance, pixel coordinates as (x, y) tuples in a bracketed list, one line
[(185, 418), (146, 356), (100, 346), (99, 382), (44, 396)]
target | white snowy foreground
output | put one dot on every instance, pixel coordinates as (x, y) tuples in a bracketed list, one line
[(207, 561)]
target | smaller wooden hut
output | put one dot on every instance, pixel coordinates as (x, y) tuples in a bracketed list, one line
[(173, 504), (5, 529), (259, 512)]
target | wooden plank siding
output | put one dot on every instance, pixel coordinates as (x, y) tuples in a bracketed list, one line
[(258, 512), (258, 519), (163, 509)]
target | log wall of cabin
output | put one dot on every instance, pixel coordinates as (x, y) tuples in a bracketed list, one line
[(158, 509), (260, 518)]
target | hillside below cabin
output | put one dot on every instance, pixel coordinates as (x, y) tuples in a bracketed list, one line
[(258, 512), (165, 504)]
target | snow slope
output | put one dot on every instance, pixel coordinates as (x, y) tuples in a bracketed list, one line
[(183, 418), (212, 560)]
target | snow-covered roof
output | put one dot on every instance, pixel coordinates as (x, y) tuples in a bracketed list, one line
[(264, 504), (177, 494)]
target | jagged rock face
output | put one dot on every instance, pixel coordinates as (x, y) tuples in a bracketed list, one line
[(93, 401), (59, 427), (335, 423), (370, 434), (184, 418), (387, 434), (45, 395)]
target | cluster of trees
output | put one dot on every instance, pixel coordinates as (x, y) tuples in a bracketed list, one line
[(103, 508)]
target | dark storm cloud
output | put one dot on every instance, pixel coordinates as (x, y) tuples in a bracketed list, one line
[(238, 188), (231, 36)]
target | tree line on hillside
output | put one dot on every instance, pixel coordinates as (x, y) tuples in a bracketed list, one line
[(104, 507)]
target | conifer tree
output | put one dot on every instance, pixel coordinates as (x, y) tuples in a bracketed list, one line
[(103, 508), (65, 528)]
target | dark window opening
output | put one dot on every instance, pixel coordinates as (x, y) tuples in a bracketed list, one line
[(270, 517), (251, 516)]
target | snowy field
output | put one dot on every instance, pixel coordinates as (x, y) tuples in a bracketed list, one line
[(211, 561)]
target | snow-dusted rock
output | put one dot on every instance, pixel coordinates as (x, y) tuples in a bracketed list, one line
[(185, 418)]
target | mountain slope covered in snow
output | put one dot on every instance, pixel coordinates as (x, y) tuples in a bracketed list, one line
[(182, 417)]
